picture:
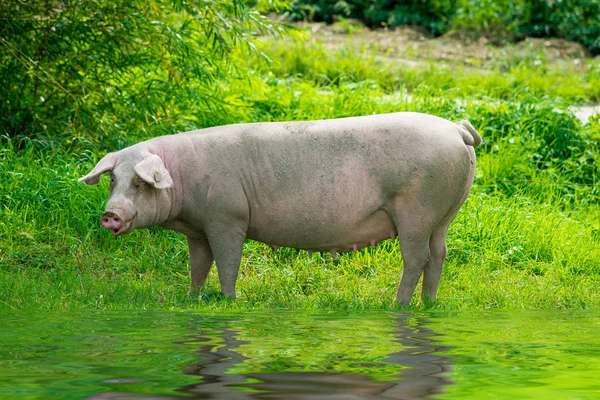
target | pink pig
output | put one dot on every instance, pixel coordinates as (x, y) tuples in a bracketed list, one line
[(332, 185)]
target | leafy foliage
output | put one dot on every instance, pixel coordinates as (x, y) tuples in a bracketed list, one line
[(101, 69), (573, 20), (431, 14)]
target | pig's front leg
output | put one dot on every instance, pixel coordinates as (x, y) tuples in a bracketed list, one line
[(226, 242), (201, 260)]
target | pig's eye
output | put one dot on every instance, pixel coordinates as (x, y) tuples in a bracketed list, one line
[(140, 184)]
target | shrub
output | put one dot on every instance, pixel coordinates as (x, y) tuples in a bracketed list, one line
[(100, 70), (575, 20)]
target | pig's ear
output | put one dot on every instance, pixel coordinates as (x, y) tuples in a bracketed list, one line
[(105, 165), (152, 170)]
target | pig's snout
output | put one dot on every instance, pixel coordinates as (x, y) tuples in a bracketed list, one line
[(112, 221)]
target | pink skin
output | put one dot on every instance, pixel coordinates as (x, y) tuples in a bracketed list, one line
[(114, 222), (119, 214)]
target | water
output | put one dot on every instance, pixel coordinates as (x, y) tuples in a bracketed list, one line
[(584, 113), (300, 355)]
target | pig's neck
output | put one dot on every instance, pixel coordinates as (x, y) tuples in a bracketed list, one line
[(175, 154), (179, 226)]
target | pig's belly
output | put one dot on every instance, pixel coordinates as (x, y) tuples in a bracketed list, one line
[(322, 232)]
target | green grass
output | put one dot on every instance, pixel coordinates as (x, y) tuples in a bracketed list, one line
[(507, 73), (528, 237)]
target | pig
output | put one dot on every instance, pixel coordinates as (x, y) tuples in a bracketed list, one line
[(334, 185)]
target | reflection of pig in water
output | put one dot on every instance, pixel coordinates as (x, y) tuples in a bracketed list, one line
[(334, 185), (423, 372)]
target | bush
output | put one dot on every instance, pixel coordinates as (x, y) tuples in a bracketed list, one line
[(100, 70), (431, 15), (574, 20)]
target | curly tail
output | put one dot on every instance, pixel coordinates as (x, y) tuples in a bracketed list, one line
[(468, 133)]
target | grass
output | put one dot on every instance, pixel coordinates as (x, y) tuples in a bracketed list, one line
[(528, 237), (444, 66)]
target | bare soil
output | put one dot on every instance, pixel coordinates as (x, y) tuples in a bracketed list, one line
[(414, 43)]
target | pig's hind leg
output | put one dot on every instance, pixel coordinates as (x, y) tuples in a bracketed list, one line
[(415, 254), (437, 243), (415, 225), (433, 268)]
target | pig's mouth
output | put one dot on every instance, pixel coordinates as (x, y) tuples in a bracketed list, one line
[(116, 224), (125, 228)]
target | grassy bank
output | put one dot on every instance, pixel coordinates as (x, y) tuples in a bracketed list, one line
[(528, 237)]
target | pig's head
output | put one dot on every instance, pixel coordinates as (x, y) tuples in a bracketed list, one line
[(139, 186)]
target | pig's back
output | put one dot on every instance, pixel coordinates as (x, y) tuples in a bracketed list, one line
[(328, 184)]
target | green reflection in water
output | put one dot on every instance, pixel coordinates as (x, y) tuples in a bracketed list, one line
[(290, 354), (541, 354)]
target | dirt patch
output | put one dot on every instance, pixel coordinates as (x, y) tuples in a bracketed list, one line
[(553, 48), (401, 43), (407, 44)]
